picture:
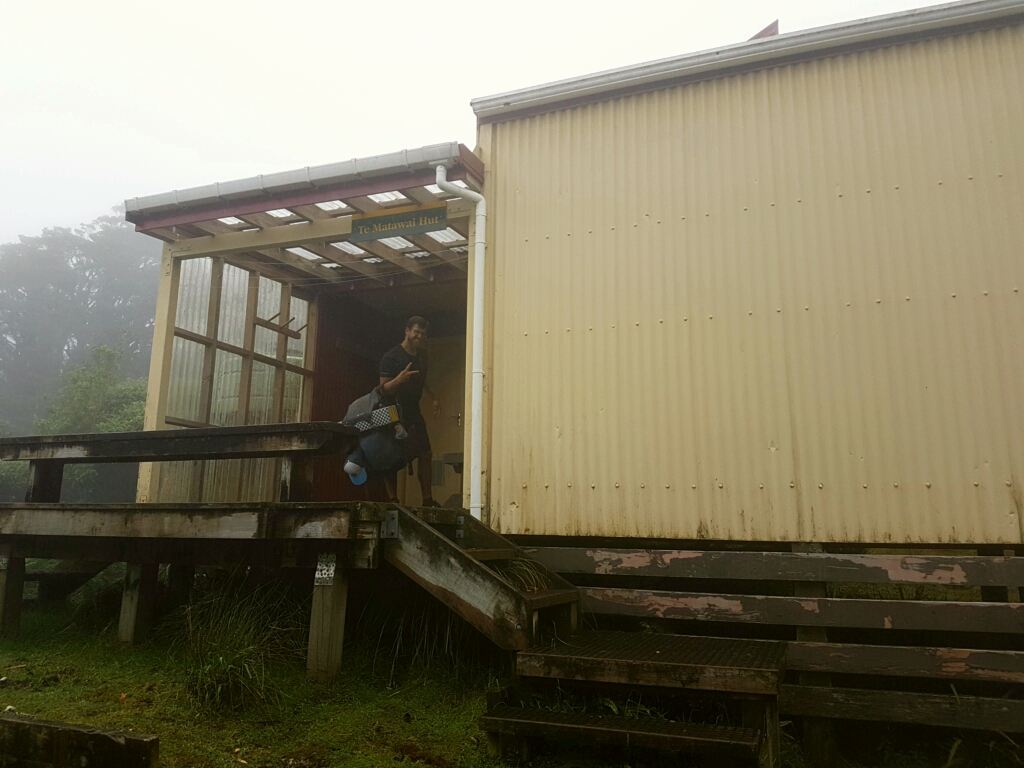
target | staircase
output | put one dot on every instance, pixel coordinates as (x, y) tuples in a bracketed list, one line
[(480, 575), (522, 606), (747, 671)]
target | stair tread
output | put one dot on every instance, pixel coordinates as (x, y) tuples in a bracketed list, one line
[(545, 598), (676, 661), (652, 731)]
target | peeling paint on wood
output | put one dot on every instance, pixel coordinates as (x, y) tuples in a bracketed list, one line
[(824, 612), (907, 661), (786, 566)]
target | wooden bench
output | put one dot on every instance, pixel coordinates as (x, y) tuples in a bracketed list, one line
[(25, 741), (851, 654)]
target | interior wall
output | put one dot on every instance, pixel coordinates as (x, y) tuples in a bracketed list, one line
[(352, 337), (445, 377), (346, 368)]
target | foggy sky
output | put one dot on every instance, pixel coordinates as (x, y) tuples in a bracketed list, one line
[(105, 100)]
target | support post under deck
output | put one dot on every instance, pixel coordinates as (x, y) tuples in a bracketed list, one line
[(327, 622), (138, 602), (12, 583), (818, 732)]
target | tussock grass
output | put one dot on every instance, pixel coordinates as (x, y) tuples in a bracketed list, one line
[(402, 633), (522, 574), (230, 638)]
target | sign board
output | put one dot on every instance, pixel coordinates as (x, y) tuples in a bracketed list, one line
[(399, 221)]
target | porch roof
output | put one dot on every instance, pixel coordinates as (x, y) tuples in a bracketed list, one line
[(251, 220)]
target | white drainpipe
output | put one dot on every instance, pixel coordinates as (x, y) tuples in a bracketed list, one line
[(477, 396)]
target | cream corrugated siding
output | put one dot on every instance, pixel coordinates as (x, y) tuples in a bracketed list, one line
[(727, 309)]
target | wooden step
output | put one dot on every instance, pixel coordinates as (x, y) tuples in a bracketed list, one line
[(725, 741), (546, 598), (671, 661), (485, 555)]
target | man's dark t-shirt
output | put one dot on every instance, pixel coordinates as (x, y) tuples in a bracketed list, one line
[(409, 394)]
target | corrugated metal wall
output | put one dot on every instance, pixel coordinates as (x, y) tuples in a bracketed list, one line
[(782, 305)]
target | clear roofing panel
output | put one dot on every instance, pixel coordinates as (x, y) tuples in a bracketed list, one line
[(448, 235), (388, 197), (280, 213), (331, 205), (398, 243), (348, 247), (231, 221), (374, 260), (303, 253)]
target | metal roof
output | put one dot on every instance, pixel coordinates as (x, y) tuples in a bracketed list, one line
[(303, 186), (753, 54)]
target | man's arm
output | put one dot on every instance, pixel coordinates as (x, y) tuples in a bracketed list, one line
[(437, 403), (391, 385)]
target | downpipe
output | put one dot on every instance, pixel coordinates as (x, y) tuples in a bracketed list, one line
[(476, 406)]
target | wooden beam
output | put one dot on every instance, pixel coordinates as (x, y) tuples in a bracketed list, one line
[(347, 260), (939, 615), (326, 230), (971, 712), (238, 442), (306, 267), (464, 585), (907, 661), (45, 477), (378, 249), (441, 250), (939, 570), (238, 521), (159, 367), (27, 741), (138, 602), (327, 619)]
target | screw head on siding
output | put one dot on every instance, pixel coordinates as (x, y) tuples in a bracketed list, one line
[(694, 486), (592, 486), (778, 309), (641, 485), (907, 298), (570, 485), (895, 485), (545, 485), (821, 485), (985, 292), (927, 485), (975, 483), (666, 486), (878, 301), (792, 485), (524, 485), (719, 485), (865, 485), (760, 485), (616, 485), (1008, 483)]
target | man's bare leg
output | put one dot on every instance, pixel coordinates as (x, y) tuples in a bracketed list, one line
[(424, 469), (391, 485)]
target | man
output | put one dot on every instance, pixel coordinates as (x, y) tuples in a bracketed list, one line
[(403, 378)]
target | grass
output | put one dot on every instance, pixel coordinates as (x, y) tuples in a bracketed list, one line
[(407, 695)]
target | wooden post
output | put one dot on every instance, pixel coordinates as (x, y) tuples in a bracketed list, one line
[(44, 481), (819, 742), (12, 583), (327, 623), (296, 478), (160, 367), (137, 602)]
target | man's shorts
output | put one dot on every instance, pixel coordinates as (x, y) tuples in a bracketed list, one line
[(418, 442)]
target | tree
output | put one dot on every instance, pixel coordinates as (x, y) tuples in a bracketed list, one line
[(64, 293), (94, 397)]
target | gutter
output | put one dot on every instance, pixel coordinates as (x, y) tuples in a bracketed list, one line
[(476, 402), (756, 54)]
